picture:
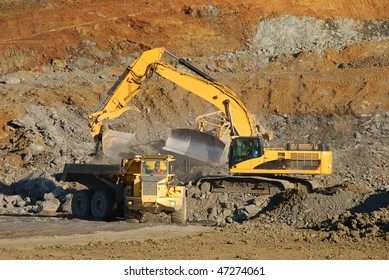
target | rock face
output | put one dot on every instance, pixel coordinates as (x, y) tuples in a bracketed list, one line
[(291, 34)]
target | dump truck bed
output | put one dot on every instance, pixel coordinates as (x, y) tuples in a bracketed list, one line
[(93, 176), (88, 168)]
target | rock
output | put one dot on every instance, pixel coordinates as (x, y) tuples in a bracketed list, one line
[(66, 205), (59, 63), (11, 80), (42, 125), (220, 222), (100, 54), (252, 209), (14, 200), (27, 122), (212, 213), (7, 208), (334, 237), (48, 196), (260, 201), (16, 123), (36, 149), (27, 156), (80, 63), (385, 128), (211, 67), (226, 212), (88, 43), (124, 60), (33, 208), (241, 215), (50, 203)]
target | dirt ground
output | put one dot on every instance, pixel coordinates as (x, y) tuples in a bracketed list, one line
[(309, 71), (61, 238)]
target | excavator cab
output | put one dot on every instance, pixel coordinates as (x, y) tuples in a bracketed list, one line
[(244, 148)]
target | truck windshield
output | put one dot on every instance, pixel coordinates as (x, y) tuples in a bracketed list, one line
[(154, 167)]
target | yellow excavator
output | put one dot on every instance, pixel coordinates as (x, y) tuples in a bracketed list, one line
[(246, 153)]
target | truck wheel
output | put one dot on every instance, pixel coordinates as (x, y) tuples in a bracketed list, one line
[(81, 203), (101, 205), (180, 216)]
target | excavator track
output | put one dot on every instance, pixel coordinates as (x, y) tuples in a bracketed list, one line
[(259, 185)]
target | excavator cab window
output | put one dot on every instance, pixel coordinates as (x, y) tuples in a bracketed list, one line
[(245, 148)]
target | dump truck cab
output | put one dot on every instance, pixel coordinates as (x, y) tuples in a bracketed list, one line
[(150, 186)]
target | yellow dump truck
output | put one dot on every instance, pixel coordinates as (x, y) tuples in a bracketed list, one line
[(144, 183)]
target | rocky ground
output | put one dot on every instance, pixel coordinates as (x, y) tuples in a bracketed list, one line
[(308, 73)]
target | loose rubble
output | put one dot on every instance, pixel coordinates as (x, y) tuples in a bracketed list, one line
[(38, 193)]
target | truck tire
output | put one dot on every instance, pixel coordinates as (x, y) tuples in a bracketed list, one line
[(101, 205), (180, 216), (81, 204)]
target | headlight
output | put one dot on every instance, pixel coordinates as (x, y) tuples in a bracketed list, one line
[(129, 203), (172, 203)]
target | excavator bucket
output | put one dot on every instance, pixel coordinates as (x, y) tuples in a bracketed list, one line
[(195, 144), (114, 142)]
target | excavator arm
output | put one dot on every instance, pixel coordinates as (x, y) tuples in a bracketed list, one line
[(129, 84), (116, 102)]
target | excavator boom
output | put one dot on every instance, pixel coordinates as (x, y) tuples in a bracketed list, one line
[(199, 145)]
